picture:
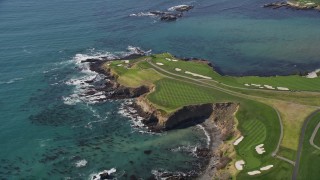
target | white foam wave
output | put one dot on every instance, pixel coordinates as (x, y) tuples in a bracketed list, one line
[(129, 112), (81, 163), (140, 14), (83, 88), (192, 149), (11, 81), (206, 133), (97, 176)]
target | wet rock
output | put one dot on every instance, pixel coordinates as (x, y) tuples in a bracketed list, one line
[(90, 60), (105, 175), (133, 177), (168, 17), (147, 152), (203, 152), (183, 8)]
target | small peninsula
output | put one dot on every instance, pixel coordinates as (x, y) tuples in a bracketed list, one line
[(255, 123)]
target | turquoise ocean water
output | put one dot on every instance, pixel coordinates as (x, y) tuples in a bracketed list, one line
[(47, 131)]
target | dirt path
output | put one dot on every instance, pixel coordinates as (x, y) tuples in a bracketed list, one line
[(303, 131), (311, 140), (274, 153)]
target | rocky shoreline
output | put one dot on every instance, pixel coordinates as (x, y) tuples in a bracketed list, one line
[(172, 14), (293, 5), (217, 119)]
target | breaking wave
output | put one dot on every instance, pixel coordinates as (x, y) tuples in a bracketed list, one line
[(86, 84), (140, 14), (104, 173), (11, 81)]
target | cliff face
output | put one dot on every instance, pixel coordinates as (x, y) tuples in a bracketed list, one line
[(220, 115), (223, 118), (187, 115)]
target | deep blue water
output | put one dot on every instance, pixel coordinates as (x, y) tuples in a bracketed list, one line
[(43, 135)]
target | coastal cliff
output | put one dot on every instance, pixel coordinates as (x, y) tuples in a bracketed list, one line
[(218, 119)]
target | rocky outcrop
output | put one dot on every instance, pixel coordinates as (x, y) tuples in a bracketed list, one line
[(186, 116), (223, 118), (183, 8), (172, 14), (292, 5), (220, 126)]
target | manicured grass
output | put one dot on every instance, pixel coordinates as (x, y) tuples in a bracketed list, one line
[(310, 156), (134, 76), (292, 115), (280, 171), (306, 98), (293, 82), (172, 94), (258, 121), (287, 153), (258, 124), (317, 138)]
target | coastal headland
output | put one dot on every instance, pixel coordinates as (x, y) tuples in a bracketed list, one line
[(254, 123)]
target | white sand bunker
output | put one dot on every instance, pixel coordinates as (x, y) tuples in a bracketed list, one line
[(177, 69), (269, 87), (283, 88), (251, 173), (247, 85), (174, 60), (126, 61), (119, 65), (160, 64), (256, 85), (197, 75), (238, 140), (265, 168), (239, 165), (313, 74), (260, 149)]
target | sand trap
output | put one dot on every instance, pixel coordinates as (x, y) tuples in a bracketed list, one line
[(126, 61), (313, 74), (238, 140), (251, 173), (239, 165), (174, 60), (160, 64), (283, 88), (247, 84), (119, 65), (198, 75), (260, 149), (168, 59), (261, 87), (177, 69), (269, 87), (265, 168), (257, 85), (310, 4)]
